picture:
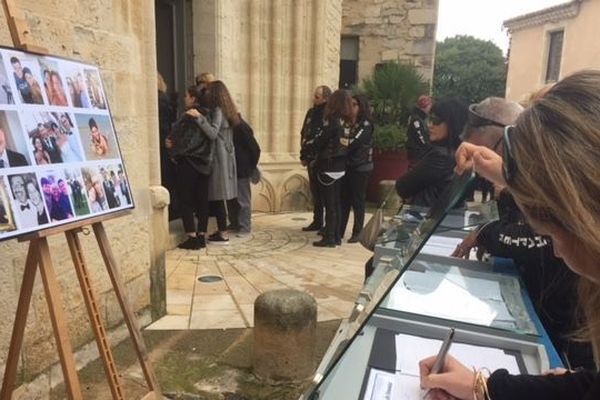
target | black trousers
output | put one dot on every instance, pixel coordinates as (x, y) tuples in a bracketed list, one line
[(315, 191), (353, 196), (192, 188), (217, 208), (330, 194)]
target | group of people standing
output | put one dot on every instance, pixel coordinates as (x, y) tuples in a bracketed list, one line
[(214, 154), (336, 148)]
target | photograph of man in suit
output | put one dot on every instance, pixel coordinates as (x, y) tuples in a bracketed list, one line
[(9, 158), (25, 210), (48, 137)]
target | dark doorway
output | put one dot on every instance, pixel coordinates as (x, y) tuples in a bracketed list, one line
[(174, 50)]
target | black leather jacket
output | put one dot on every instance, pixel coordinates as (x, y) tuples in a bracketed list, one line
[(312, 127), (417, 136), (426, 182), (190, 143), (360, 147), (330, 154)]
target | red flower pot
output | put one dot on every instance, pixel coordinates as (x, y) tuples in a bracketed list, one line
[(387, 165)]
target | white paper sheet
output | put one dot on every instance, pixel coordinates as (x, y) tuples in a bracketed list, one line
[(383, 385), (412, 349), (445, 296)]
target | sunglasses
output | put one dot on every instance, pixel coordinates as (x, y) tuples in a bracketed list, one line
[(475, 120), (509, 166)]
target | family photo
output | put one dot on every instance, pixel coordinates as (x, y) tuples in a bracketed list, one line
[(53, 138), (7, 220), (57, 195), (77, 192), (93, 183), (27, 78), (75, 85), (94, 86), (12, 142), (6, 94), (115, 186), (97, 136), (53, 83), (28, 202)]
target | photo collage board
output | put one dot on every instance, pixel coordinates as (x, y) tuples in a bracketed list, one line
[(59, 155)]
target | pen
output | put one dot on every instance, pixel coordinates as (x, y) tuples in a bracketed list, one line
[(441, 357)]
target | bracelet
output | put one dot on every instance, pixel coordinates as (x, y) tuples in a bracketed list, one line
[(480, 389)]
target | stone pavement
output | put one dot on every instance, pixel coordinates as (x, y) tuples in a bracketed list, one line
[(276, 255)]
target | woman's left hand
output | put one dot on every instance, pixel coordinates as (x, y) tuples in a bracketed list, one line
[(192, 112)]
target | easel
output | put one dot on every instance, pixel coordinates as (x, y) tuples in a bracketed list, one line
[(38, 255)]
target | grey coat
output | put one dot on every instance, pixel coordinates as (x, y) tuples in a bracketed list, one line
[(222, 181)]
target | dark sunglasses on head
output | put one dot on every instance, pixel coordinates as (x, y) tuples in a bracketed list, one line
[(475, 120), (509, 165)]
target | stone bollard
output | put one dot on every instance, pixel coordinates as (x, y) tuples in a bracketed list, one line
[(285, 323), (393, 201)]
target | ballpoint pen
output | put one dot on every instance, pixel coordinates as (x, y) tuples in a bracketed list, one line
[(438, 365)]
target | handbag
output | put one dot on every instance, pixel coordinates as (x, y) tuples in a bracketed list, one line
[(375, 226)]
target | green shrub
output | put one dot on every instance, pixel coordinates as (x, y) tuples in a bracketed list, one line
[(389, 137)]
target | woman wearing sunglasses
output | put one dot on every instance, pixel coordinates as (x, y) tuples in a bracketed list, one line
[(550, 166), (425, 182)]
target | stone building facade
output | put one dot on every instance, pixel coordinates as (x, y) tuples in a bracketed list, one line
[(549, 44), (377, 31)]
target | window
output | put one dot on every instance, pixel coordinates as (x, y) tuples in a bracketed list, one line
[(554, 56), (349, 62)]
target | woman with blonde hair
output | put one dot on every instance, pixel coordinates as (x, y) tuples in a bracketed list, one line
[(218, 125), (550, 166)]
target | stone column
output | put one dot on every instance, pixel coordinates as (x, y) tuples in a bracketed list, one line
[(284, 335)]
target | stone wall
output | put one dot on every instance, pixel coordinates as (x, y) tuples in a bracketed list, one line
[(118, 36), (390, 30), (271, 55)]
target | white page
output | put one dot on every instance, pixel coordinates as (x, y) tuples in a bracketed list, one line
[(383, 385), (380, 385), (431, 294), (412, 349)]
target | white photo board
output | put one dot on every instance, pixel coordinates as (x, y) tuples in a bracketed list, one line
[(60, 160)]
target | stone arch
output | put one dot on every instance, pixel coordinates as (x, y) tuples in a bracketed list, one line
[(264, 197), (294, 193)]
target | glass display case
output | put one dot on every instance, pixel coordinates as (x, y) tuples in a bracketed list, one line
[(414, 296)]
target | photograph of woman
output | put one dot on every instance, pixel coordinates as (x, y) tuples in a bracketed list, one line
[(93, 186), (36, 90), (36, 200), (56, 91), (39, 151)]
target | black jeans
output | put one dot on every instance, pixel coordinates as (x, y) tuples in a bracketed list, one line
[(330, 193), (315, 191), (354, 194), (217, 208), (192, 188)]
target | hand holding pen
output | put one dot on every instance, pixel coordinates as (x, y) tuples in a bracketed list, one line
[(446, 373)]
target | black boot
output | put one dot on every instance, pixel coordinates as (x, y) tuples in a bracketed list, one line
[(324, 243), (312, 227)]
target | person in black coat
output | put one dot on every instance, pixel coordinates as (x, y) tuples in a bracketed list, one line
[(359, 164), (247, 154), (312, 127), (427, 180), (417, 133), (330, 162), (192, 152)]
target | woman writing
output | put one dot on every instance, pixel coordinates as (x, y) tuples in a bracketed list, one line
[(192, 152), (549, 165)]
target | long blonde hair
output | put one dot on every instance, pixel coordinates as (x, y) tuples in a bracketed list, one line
[(556, 145)]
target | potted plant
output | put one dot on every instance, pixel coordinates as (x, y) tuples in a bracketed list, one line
[(393, 90)]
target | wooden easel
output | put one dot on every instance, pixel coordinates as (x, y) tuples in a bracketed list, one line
[(38, 255)]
